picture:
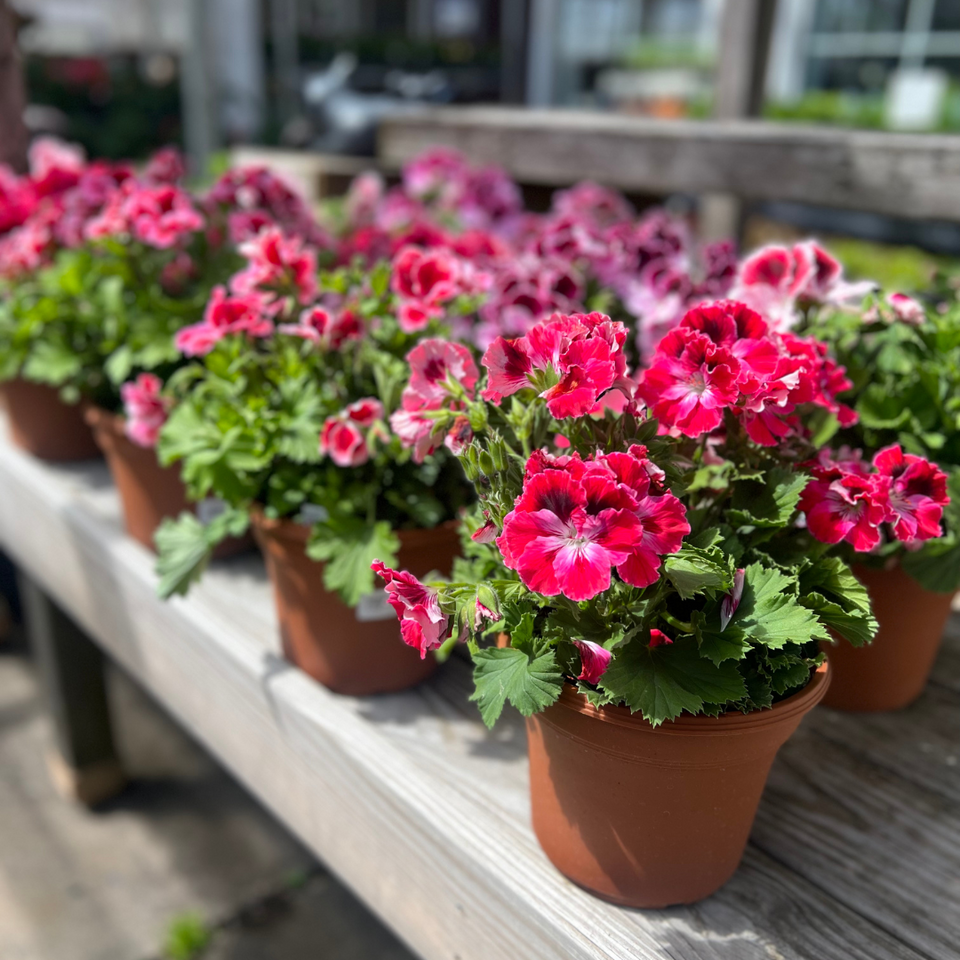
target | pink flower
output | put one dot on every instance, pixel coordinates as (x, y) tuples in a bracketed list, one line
[(438, 370), (224, 315), (906, 309), (437, 174), (590, 201), (160, 216), (658, 638), (365, 412), (423, 625), (414, 316), (145, 409), (165, 166), (342, 441), (845, 507), (279, 265), (690, 383), (415, 428), (916, 491), (576, 520), (570, 360), (55, 166), (426, 276), (458, 436), (594, 660), (18, 199)]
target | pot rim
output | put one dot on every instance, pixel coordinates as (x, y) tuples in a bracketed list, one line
[(727, 724), (288, 529), (100, 418)]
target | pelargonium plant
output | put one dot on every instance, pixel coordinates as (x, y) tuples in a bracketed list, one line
[(126, 264), (665, 557), (292, 406), (903, 361)]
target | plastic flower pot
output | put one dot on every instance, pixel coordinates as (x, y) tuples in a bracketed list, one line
[(149, 493), (649, 816), (892, 671), (351, 651), (42, 424)]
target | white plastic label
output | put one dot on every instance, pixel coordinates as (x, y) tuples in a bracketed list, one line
[(311, 513), (374, 606), (209, 509)]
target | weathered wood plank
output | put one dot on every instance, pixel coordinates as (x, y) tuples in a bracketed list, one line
[(407, 797), (899, 174)]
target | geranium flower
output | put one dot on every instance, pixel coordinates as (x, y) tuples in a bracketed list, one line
[(343, 442), (438, 368), (365, 412), (690, 383), (426, 276), (277, 264), (906, 309), (160, 216), (846, 507), (594, 660), (224, 315), (570, 360), (423, 625), (144, 408), (165, 166), (916, 491)]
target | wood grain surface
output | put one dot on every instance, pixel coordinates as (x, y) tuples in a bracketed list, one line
[(424, 814), (892, 173)]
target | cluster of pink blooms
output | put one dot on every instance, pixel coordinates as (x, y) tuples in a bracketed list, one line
[(725, 357), (849, 500), (64, 201), (425, 281), (442, 374), (280, 270), (578, 520), (571, 361), (777, 281), (345, 438), (144, 408), (245, 200)]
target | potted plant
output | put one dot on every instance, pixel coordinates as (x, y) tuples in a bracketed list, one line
[(44, 212), (643, 590), (904, 361), (285, 416)]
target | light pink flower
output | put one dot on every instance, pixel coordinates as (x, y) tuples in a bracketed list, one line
[(144, 408), (906, 309), (343, 442)]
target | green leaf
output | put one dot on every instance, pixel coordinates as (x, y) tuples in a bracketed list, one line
[(347, 546), (856, 627), (119, 364), (693, 571), (665, 681), (716, 644), (52, 362), (769, 612), (767, 504), (185, 545), (530, 684)]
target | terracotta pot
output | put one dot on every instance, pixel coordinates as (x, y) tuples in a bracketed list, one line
[(149, 492), (652, 816), (42, 424), (891, 672), (341, 648)]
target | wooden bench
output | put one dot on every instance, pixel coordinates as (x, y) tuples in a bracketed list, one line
[(855, 854)]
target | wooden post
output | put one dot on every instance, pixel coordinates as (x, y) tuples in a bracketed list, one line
[(84, 765), (746, 29), (13, 131)]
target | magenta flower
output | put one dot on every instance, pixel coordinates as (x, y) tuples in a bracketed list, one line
[(365, 412), (423, 625), (161, 216), (916, 491), (846, 507), (144, 408), (343, 442), (594, 660)]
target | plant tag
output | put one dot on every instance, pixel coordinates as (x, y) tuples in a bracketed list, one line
[(209, 509), (311, 513), (374, 606)]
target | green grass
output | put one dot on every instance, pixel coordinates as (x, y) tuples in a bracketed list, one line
[(187, 937)]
